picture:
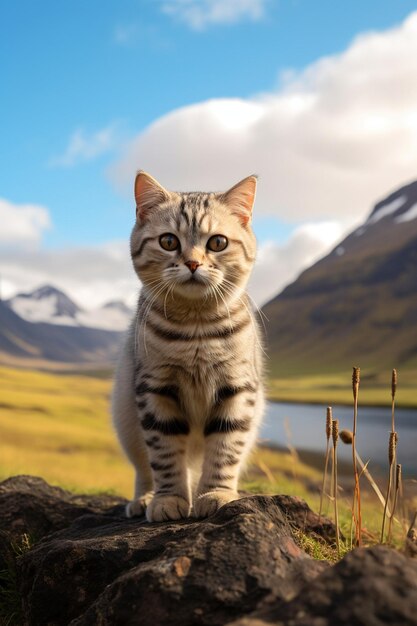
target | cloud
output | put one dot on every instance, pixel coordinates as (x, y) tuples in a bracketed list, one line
[(22, 224), (96, 274), (198, 14), (84, 147), (91, 275), (329, 142), (284, 262)]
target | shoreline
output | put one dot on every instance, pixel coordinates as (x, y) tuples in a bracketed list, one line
[(316, 402)]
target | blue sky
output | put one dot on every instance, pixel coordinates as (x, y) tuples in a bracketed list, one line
[(95, 75)]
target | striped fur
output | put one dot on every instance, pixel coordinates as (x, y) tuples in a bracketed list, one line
[(188, 393)]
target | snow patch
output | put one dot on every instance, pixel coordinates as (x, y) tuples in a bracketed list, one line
[(387, 209), (409, 215), (40, 310), (53, 307), (105, 318)]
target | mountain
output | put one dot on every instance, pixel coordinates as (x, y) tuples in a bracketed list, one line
[(46, 304), (357, 305), (23, 341), (51, 305), (114, 315)]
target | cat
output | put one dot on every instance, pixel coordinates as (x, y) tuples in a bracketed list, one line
[(188, 395)]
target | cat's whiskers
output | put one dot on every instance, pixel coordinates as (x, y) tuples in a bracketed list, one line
[(218, 290), (261, 314), (231, 291), (170, 291), (148, 310)]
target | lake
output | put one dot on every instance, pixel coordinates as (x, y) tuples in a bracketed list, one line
[(304, 426)]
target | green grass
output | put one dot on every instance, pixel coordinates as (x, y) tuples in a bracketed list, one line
[(11, 611), (58, 427), (331, 389)]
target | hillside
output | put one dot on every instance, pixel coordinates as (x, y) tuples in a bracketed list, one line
[(357, 305), (22, 341)]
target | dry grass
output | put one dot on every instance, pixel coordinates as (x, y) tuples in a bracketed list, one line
[(58, 427)]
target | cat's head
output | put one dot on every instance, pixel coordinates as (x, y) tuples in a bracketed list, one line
[(193, 245)]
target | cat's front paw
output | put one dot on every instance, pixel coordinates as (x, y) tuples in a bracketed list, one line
[(165, 507), (208, 503), (138, 507)]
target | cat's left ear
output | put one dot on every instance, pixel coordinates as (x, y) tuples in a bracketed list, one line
[(240, 199), (148, 194)]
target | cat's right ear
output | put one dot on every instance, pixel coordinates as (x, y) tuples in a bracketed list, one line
[(148, 194)]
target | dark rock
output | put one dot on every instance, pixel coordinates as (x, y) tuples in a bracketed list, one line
[(369, 587), (90, 565)]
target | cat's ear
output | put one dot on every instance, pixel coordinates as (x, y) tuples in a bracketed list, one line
[(240, 199), (148, 194)]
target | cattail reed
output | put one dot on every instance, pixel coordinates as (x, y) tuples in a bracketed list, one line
[(393, 438), (326, 461), (335, 437), (394, 382), (356, 506), (394, 506)]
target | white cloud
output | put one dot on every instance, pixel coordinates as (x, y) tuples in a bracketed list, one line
[(91, 275), (97, 274), (277, 265), (327, 144), (86, 147), (198, 14), (22, 224)]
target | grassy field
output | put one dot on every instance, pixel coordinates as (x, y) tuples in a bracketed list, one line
[(332, 389), (58, 427)]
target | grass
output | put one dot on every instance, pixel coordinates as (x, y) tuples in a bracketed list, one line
[(11, 613), (332, 389), (58, 427)]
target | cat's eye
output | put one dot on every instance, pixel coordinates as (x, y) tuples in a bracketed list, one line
[(169, 242), (217, 243)]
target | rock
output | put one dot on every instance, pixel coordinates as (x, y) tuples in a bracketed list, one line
[(369, 587), (90, 565), (29, 506)]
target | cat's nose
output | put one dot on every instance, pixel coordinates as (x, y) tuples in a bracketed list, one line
[(192, 265)]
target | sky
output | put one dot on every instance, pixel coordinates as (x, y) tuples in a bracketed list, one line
[(318, 98)]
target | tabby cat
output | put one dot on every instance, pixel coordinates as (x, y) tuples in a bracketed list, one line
[(188, 394)]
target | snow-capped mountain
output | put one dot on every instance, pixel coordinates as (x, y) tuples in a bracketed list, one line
[(45, 304), (52, 306), (114, 315), (357, 305)]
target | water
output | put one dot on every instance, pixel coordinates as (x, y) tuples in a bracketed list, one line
[(306, 423)]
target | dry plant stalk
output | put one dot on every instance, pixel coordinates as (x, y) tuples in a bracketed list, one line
[(346, 437), (397, 486), (394, 383), (356, 505), (391, 454), (335, 437), (329, 419)]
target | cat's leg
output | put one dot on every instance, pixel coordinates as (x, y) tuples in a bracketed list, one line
[(130, 433), (166, 436), (229, 433)]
